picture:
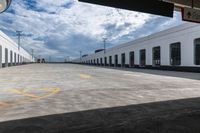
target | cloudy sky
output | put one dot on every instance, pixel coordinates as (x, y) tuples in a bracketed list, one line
[(61, 28)]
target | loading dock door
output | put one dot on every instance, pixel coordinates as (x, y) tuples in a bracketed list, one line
[(116, 60), (132, 59), (110, 61), (123, 59), (143, 58), (11, 58), (6, 57), (15, 59), (0, 56), (156, 56), (105, 61)]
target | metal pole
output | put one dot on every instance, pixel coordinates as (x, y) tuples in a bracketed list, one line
[(80, 56), (19, 33), (104, 43)]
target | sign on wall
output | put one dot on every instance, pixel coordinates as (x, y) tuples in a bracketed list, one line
[(191, 15)]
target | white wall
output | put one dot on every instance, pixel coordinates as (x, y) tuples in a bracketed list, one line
[(6, 42), (186, 34)]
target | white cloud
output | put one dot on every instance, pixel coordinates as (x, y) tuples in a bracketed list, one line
[(66, 25)]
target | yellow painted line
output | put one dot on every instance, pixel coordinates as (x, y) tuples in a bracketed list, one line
[(85, 76), (23, 93), (33, 97), (3, 104)]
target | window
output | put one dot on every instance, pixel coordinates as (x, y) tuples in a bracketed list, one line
[(123, 58), (132, 59), (175, 50), (101, 62), (197, 51), (110, 60), (116, 60), (143, 57), (97, 61), (156, 56)]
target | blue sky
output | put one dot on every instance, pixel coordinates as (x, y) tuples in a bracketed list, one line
[(63, 28)]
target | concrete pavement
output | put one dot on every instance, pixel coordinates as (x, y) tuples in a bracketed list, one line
[(57, 90)]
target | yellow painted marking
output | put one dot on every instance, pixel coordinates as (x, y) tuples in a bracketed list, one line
[(32, 97), (3, 104), (85, 76), (22, 93)]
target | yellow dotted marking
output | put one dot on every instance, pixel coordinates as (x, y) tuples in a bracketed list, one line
[(85, 76)]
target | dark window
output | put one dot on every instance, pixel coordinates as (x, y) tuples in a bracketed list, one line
[(116, 60), (123, 59), (110, 60), (175, 50), (156, 56), (101, 62), (142, 57), (197, 51), (132, 59), (94, 62), (97, 61)]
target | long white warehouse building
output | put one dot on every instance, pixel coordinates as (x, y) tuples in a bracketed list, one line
[(177, 48), (11, 54)]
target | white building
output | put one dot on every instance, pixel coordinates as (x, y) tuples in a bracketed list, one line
[(177, 48), (10, 54)]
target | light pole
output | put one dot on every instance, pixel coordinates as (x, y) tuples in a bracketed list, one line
[(80, 56), (32, 51), (4, 5), (104, 44), (19, 34)]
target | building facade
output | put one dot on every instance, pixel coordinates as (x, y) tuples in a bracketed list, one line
[(11, 54), (177, 48)]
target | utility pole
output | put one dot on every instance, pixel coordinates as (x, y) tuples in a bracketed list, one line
[(80, 56), (32, 52), (49, 59), (19, 34), (104, 44)]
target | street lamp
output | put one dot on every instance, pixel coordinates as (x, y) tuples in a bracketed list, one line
[(4, 5), (104, 44)]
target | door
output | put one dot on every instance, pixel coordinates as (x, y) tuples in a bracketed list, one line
[(132, 59), (6, 57), (116, 60), (0, 56), (123, 60), (142, 57)]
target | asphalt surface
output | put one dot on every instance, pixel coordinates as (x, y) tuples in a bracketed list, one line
[(59, 98)]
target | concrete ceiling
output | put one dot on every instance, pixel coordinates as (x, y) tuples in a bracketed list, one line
[(185, 3)]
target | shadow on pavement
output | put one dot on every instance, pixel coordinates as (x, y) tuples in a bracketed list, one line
[(178, 116)]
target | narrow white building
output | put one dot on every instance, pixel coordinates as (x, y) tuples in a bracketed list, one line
[(11, 54)]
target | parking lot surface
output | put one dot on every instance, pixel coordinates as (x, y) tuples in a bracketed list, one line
[(48, 97)]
